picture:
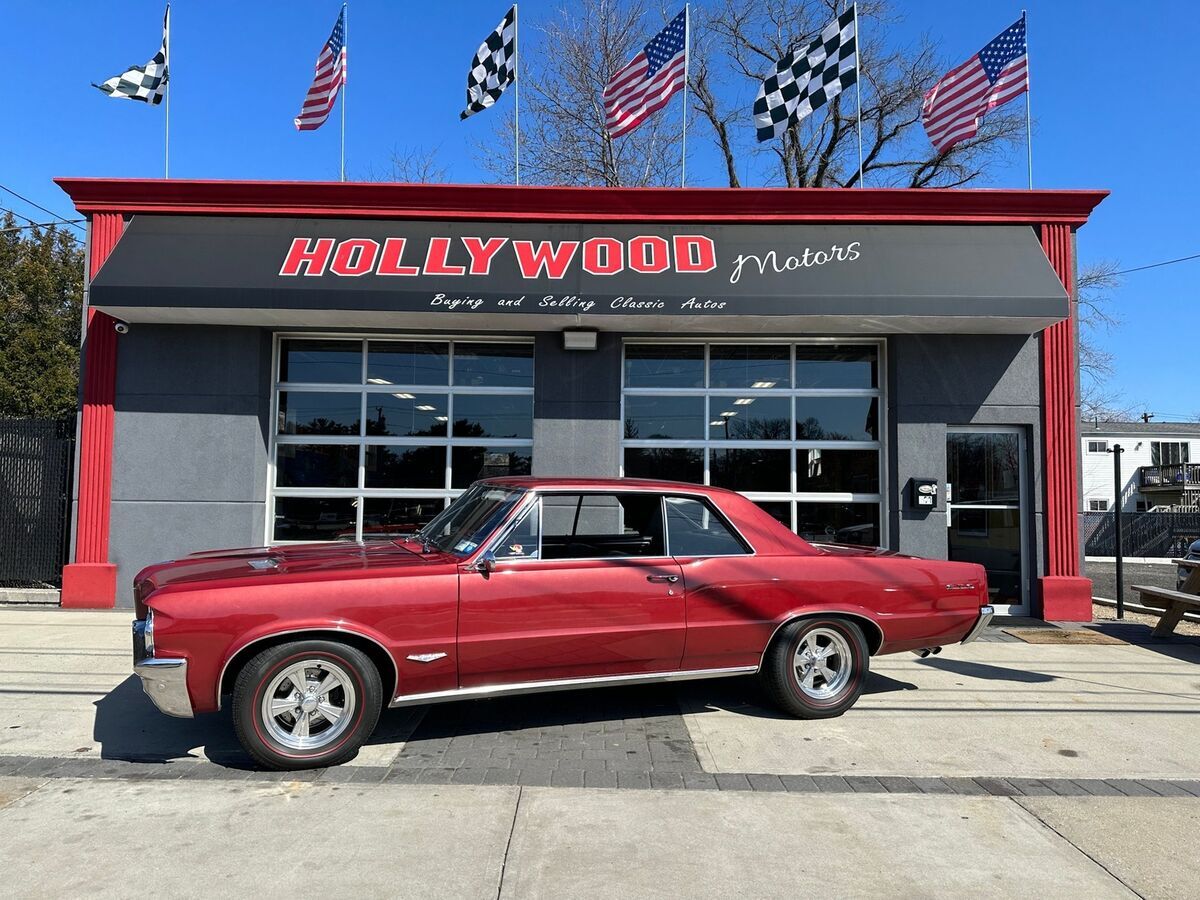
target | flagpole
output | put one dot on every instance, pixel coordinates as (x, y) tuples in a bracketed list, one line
[(345, 78), (1028, 115), (687, 54), (167, 101), (858, 92), (517, 94)]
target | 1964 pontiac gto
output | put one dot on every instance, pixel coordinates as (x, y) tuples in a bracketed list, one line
[(525, 585)]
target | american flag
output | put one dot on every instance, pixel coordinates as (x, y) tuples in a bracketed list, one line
[(998, 73), (645, 84), (328, 80)]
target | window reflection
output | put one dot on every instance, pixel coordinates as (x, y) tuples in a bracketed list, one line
[(408, 362), (315, 518), (317, 362), (733, 418), (665, 463), (389, 518), (470, 464), (837, 418), (751, 469), (749, 366), (837, 366), (664, 418), (309, 412), (489, 415), (316, 465), (407, 415), (675, 366), (406, 467), (493, 365), (839, 523)]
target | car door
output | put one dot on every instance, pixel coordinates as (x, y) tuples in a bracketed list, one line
[(581, 588)]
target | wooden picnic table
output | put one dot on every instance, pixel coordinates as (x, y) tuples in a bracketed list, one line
[(1173, 603)]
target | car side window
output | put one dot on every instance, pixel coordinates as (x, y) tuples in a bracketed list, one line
[(521, 542), (694, 529), (601, 526)]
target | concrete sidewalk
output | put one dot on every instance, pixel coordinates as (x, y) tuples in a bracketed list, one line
[(993, 769)]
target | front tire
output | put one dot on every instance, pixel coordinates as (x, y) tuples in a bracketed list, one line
[(306, 704), (816, 668)]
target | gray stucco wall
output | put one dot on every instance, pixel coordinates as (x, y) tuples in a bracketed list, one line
[(936, 382), (577, 407), (189, 444)]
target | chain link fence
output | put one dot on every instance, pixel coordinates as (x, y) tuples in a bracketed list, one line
[(36, 462)]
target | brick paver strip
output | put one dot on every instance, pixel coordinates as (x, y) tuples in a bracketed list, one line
[(540, 775)]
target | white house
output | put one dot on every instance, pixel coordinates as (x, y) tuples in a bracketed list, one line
[(1160, 465)]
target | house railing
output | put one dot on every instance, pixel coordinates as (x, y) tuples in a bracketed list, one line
[(1175, 475), (1163, 535)]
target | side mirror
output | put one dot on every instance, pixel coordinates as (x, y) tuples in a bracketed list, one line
[(487, 563)]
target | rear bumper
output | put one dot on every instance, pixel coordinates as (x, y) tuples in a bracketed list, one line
[(163, 680), (985, 618)]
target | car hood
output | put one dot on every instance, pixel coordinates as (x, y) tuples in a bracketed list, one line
[(294, 559)]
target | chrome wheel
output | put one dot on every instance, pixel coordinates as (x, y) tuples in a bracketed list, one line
[(309, 704), (822, 663)]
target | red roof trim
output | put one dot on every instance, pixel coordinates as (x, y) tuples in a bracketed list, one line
[(576, 204)]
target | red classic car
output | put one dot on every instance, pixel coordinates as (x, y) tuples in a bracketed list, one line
[(532, 584)]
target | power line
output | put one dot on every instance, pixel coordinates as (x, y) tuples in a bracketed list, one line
[(35, 205), (1168, 262), (33, 224), (18, 215)]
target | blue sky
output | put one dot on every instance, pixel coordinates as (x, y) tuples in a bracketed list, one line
[(1114, 103)]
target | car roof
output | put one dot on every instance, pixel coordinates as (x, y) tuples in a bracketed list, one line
[(535, 482)]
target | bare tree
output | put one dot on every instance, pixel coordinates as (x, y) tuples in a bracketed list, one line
[(564, 139), (1094, 285), (410, 165), (739, 41)]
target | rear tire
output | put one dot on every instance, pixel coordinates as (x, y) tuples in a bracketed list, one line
[(816, 668), (306, 704)]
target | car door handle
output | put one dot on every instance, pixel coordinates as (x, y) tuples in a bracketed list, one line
[(662, 579)]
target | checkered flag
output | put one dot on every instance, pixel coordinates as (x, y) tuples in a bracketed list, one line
[(147, 83), (807, 79), (494, 67)]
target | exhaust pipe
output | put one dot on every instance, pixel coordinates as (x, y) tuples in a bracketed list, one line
[(928, 651)]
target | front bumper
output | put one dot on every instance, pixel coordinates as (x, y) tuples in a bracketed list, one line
[(985, 618), (163, 680)]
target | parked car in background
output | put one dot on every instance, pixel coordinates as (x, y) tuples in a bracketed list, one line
[(524, 585), (1192, 553)]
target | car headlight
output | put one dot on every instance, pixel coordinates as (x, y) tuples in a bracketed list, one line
[(148, 634)]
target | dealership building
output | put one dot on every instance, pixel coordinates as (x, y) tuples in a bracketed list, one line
[(275, 362)]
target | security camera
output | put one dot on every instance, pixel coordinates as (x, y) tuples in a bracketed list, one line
[(121, 327)]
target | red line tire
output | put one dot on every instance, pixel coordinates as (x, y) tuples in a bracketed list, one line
[(816, 668), (306, 704)]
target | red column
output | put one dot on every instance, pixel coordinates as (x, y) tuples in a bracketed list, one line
[(1066, 596), (90, 581)]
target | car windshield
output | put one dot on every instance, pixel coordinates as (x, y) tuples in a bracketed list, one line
[(467, 522)]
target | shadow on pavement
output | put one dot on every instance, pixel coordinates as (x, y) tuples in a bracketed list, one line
[(985, 671), (129, 727)]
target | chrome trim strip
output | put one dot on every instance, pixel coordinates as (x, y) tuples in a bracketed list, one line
[(538, 687), (985, 618), (275, 634), (165, 683)]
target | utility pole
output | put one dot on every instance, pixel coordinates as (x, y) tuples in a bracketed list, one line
[(1116, 450)]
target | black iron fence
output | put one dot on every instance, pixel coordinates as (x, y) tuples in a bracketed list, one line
[(1164, 535), (36, 461)]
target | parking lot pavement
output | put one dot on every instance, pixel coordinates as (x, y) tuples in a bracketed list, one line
[(985, 709), (195, 838)]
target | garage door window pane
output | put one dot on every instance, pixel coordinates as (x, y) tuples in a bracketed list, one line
[(314, 519), (316, 465), (837, 366), (665, 463), (734, 418), (839, 471), (414, 415), (749, 366), (487, 415), (751, 469), (648, 366), (406, 467), (839, 523), (493, 365), (837, 418), (389, 518), (663, 418), (779, 511), (469, 464), (320, 362), (408, 362), (309, 412)]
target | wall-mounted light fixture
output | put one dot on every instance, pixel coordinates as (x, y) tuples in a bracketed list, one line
[(579, 339)]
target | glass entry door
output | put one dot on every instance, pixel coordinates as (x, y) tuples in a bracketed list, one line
[(986, 509)]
